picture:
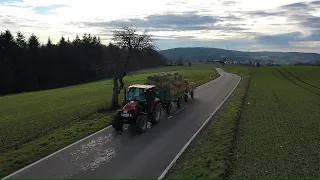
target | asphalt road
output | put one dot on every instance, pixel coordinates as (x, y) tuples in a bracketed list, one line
[(108, 154)]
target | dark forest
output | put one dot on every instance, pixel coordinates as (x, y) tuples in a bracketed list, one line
[(27, 65)]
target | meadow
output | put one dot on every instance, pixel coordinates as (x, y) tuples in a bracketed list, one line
[(36, 124), (269, 128), (306, 75), (279, 127)]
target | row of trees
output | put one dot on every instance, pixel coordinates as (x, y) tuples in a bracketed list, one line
[(27, 65)]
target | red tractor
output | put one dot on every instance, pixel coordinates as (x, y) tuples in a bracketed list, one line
[(140, 106)]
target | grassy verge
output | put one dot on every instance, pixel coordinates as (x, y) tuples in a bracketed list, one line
[(36, 124), (208, 156), (279, 127)]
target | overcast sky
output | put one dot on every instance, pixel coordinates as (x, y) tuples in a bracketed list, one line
[(255, 25)]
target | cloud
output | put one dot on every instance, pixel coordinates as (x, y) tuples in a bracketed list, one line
[(175, 22), (186, 21), (311, 21), (314, 36), (7, 20), (261, 13), (47, 9), (9, 1), (302, 14), (174, 3), (231, 18), (173, 37), (230, 3), (295, 11), (315, 3), (191, 21), (306, 20), (295, 6), (278, 39), (286, 39)]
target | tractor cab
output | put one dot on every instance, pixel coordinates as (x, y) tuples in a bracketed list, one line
[(140, 106), (142, 94)]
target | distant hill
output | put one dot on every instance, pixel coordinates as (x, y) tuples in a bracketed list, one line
[(202, 53)]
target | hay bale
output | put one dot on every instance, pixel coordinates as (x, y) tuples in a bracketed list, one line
[(173, 82)]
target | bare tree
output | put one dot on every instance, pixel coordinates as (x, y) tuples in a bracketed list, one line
[(135, 44)]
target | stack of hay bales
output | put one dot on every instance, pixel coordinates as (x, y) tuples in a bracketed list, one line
[(174, 82)]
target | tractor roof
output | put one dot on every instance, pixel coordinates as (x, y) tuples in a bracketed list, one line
[(143, 86)]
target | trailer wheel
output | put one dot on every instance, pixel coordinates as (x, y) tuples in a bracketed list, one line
[(169, 108), (186, 98), (156, 114), (117, 123), (192, 94), (179, 102), (142, 123)]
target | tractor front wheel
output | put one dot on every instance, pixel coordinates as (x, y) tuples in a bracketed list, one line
[(117, 123), (142, 123)]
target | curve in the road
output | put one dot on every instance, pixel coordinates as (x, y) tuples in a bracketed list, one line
[(106, 154)]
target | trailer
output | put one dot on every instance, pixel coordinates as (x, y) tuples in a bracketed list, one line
[(166, 98)]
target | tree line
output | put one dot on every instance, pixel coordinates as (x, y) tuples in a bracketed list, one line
[(27, 65)]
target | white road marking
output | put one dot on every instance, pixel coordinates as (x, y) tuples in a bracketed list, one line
[(178, 111), (181, 109), (164, 173)]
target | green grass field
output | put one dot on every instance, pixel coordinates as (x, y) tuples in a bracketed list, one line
[(306, 75), (271, 131), (36, 124), (279, 128)]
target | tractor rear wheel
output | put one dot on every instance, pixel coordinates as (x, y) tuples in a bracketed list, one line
[(156, 114), (142, 123), (117, 123)]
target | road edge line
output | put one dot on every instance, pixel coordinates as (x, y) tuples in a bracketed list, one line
[(54, 153), (165, 172)]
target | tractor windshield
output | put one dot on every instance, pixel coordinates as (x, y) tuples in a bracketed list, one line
[(136, 94)]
